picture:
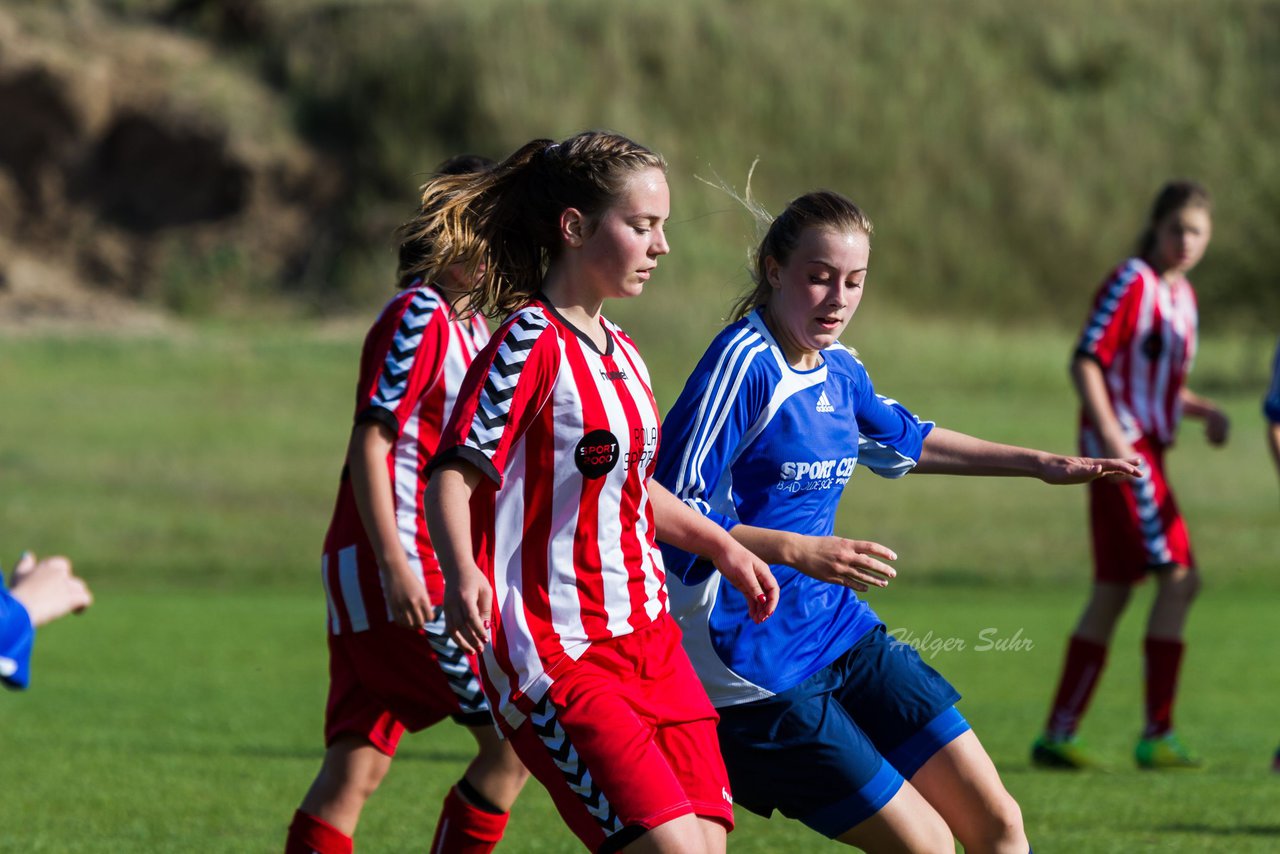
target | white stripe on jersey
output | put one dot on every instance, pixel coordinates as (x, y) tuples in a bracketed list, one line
[(349, 581), (405, 457), (617, 597), (328, 594)]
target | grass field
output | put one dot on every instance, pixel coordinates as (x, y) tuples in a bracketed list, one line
[(191, 477)]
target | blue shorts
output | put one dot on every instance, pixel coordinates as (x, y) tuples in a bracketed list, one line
[(834, 749)]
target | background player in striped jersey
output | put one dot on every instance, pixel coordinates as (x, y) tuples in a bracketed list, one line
[(38, 593), (544, 516), (1130, 370), (391, 665), (822, 716)]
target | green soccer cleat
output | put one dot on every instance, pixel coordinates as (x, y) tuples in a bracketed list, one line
[(1164, 752), (1063, 753)]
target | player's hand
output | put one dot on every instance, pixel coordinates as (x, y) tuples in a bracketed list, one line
[(1216, 427), (468, 605), (407, 597), (848, 563), (48, 589), (752, 578), (1068, 470)]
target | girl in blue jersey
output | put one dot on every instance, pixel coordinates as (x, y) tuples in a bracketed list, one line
[(823, 717)]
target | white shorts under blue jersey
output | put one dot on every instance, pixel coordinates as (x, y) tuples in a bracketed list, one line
[(752, 440), (1271, 406)]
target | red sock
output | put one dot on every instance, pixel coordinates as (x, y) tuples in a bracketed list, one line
[(310, 835), (465, 829), (1080, 672), (1163, 660)]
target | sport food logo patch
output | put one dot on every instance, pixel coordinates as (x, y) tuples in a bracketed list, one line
[(596, 454)]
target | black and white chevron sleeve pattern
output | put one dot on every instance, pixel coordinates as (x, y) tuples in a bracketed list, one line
[(494, 406), (394, 381)]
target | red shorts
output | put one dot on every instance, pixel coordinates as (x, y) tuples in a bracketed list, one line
[(388, 679), (625, 740), (1136, 523)]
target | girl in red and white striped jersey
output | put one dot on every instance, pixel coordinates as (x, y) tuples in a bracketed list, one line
[(391, 665), (544, 515), (1130, 370)]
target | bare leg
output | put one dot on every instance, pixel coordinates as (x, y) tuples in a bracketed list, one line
[(962, 784), (1175, 591), (905, 825), (1101, 613), (496, 772), (352, 770), (681, 835), (715, 834)]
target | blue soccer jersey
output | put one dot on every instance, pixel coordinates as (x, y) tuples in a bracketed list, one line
[(16, 639), (1271, 406), (754, 441)]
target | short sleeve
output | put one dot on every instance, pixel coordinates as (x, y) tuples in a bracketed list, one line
[(890, 436), (403, 356), (504, 389), (1112, 319)]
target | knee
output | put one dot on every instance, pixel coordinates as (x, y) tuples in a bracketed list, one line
[(1183, 585), (501, 762), (1001, 827), (934, 836)]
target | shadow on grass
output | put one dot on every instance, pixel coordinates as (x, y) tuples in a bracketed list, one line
[(404, 755), (1211, 830)]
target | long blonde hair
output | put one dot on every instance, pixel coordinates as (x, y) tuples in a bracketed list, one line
[(416, 238), (511, 212)]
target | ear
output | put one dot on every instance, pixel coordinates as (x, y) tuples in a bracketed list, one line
[(773, 272), (573, 227)]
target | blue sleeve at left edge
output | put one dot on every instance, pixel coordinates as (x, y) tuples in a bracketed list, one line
[(17, 637)]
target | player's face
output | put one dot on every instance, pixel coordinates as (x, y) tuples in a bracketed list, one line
[(817, 291), (1181, 239), (621, 252)]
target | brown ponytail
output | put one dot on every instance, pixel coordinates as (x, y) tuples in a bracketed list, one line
[(512, 211)]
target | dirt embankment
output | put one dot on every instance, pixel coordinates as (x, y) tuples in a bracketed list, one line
[(138, 169)]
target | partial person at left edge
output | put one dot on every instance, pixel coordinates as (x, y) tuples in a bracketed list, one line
[(39, 592)]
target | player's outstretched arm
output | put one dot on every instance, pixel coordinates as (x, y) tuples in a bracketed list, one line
[(686, 528), (950, 452), (468, 598), (1217, 425), (407, 597), (835, 560), (48, 589)]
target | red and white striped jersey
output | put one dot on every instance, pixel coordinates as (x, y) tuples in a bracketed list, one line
[(414, 359), (563, 527), (1142, 332)]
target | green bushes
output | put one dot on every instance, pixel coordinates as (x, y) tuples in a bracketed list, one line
[(1007, 151)]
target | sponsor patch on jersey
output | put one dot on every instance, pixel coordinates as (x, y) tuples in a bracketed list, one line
[(596, 454), (1153, 345), (807, 475)]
